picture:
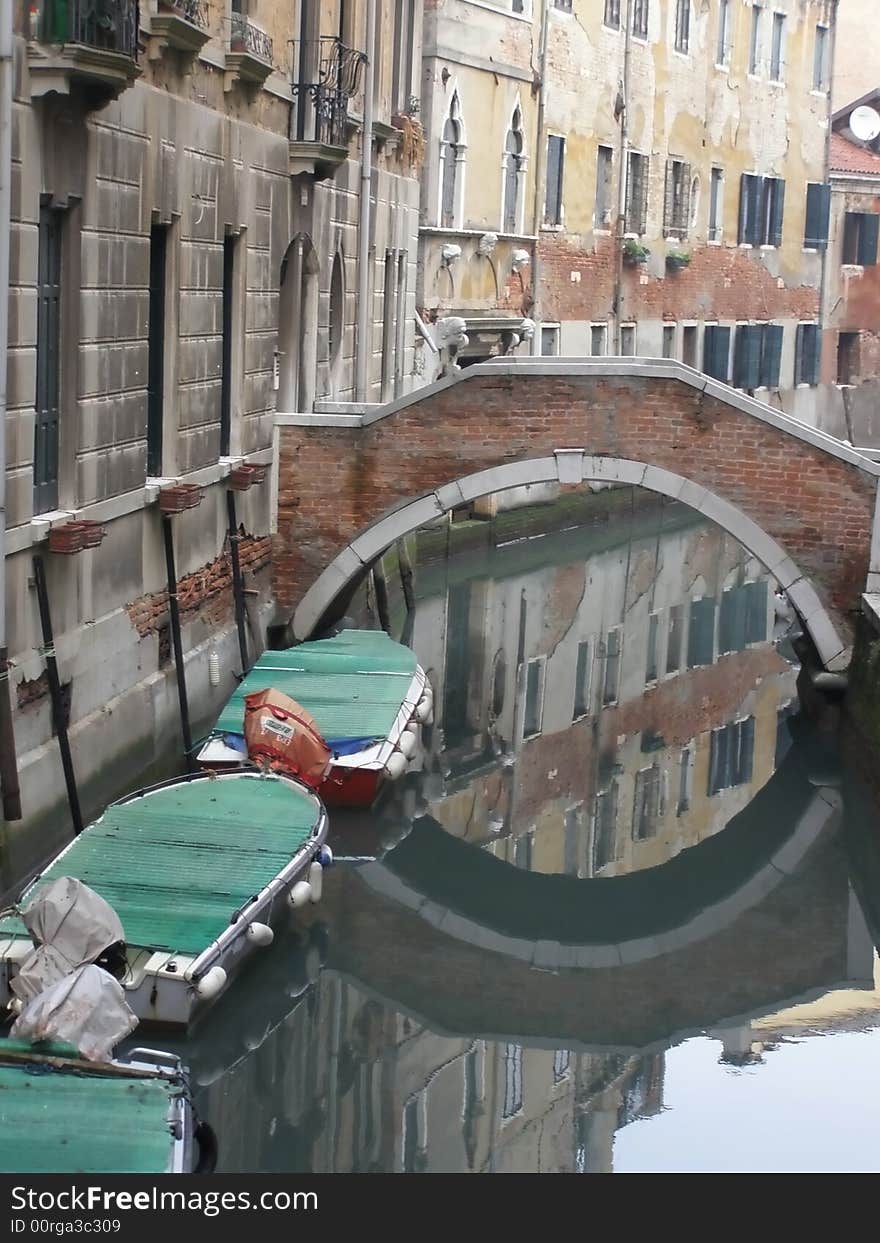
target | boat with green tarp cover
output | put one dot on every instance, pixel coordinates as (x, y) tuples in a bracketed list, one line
[(60, 1114), (197, 869), (367, 695)]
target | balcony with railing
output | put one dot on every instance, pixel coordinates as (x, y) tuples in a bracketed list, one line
[(181, 25), (326, 75), (250, 55), (90, 44)]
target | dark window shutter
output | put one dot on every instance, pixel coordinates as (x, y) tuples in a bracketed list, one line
[(818, 208), (868, 239), (685, 198), (747, 349), (771, 355), (643, 193), (669, 196), (777, 209), (716, 349), (815, 353), (749, 215), (553, 199)]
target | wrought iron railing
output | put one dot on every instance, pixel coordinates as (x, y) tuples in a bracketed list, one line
[(326, 75), (245, 37), (111, 25), (193, 11)]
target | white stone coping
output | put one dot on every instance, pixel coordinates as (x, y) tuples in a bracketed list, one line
[(638, 368), (22, 537)]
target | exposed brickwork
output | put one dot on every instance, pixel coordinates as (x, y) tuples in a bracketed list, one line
[(719, 283), (32, 691), (334, 483), (206, 593)]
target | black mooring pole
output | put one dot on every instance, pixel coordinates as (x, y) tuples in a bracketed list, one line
[(174, 612), (59, 717), (237, 584)]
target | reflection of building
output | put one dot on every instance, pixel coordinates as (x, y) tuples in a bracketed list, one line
[(636, 686), (347, 1084)]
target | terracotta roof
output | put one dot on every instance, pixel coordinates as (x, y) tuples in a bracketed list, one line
[(846, 157)]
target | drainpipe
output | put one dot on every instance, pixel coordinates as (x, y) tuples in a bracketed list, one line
[(540, 171), (621, 183), (823, 271), (9, 787), (364, 282)]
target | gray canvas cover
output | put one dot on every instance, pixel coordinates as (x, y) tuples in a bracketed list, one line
[(86, 1009), (70, 926)]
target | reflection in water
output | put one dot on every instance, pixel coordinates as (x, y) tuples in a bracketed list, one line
[(551, 902)]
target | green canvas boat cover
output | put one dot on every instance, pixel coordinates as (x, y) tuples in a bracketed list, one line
[(176, 864), (71, 1121), (353, 684)]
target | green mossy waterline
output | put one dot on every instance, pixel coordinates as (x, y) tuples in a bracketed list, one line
[(862, 705)]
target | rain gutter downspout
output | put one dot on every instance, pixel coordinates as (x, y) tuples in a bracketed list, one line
[(363, 301), (540, 171), (823, 270), (622, 184), (9, 787)]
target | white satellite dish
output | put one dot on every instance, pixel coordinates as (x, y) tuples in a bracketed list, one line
[(864, 122)]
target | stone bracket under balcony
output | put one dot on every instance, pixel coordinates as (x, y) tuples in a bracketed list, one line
[(170, 29), (317, 159), (245, 67), (58, 68)]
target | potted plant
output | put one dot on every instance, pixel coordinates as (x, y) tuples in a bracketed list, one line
[(676, 259), (634, 251)]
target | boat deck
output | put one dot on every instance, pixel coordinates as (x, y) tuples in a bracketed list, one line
[(353, 684), (65, 1119), (176, 863)]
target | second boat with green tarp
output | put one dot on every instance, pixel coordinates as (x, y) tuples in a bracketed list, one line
[(367, 696), (197, 870)]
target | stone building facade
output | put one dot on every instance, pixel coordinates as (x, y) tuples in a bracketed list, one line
[(667, 154), (188, 239)]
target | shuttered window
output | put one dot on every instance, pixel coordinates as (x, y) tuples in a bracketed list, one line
[(761, 210), (677, 196), (701, 633), (731, 755), (742, 617), (682, 25), (637, 193), (860, 232), (555, 166), (612, 14), (716, 352), (757, 355), (807, 354), (156, 347), (817, 214), (647, 803), (605, 827), (48, 394), (640, 18)]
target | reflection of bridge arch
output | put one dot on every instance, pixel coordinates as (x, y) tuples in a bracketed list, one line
[(781, 924), (558, 921)]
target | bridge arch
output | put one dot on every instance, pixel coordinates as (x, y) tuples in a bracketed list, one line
[(804, 503), (570, 466)]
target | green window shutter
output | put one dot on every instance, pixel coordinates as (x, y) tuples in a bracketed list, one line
[(716, 351), (749, 215), (777, 210), (817, 215), (771, 355), (868, 239)]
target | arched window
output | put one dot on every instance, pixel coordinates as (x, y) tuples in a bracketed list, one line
[(298, 327), (452, 150), (513, 168), (337, 309)]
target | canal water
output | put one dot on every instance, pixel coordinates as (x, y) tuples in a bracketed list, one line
[(623, 915)]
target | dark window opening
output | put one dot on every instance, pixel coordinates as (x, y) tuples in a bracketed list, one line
[(731, 755), (807, 350), (860, 233), (555, 167), (156, 347), (847, 357), (49, 337), (229, 273), (637, 193), (677, 199), (701, 633), (761, 210)]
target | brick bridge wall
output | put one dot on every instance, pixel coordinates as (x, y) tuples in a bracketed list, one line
[(817, 502)]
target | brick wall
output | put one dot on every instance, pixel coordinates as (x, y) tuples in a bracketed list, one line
[(334, 483)]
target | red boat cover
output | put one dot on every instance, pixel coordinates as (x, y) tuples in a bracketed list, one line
[(278, 729)]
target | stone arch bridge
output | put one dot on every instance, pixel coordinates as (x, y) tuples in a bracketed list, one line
[(803, 503)]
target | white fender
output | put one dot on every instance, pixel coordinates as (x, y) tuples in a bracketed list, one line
[(260, 934), (316, 881), (211, 983), (407, 742), (300, 894), (396, 765)]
